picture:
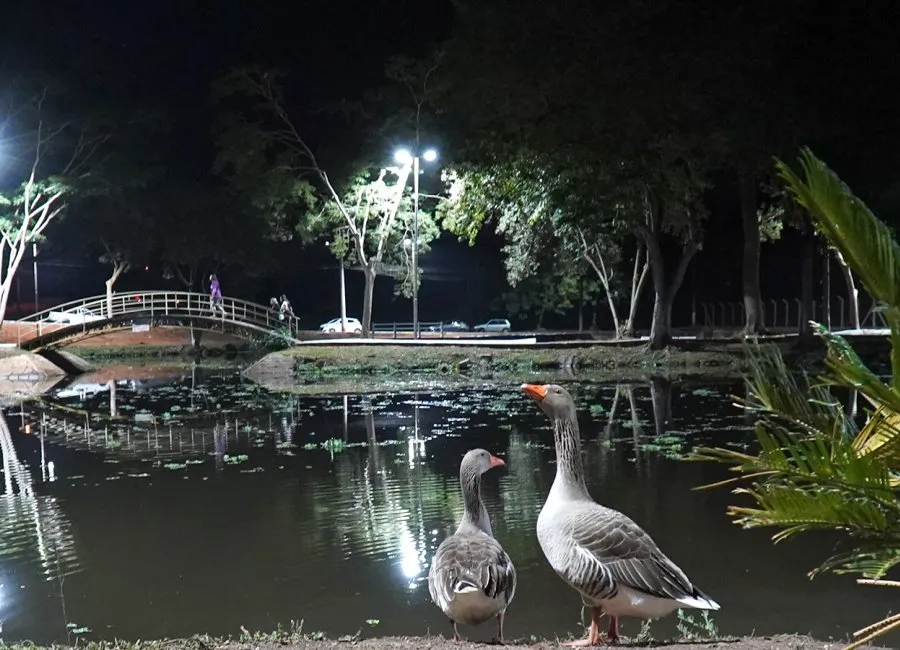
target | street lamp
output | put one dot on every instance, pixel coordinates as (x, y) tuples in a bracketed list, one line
[(404, 157)]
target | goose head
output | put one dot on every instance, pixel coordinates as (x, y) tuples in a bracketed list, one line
[(555, 401), (478, 461)]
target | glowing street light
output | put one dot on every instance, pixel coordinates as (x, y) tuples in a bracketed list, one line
[(405, 157)]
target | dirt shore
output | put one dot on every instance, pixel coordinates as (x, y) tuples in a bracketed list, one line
[(276, 641), (305, 365), (784, 642)]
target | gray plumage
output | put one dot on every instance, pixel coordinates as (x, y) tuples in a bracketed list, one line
[(471, 577)]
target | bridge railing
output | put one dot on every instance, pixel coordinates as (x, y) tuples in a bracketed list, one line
[(150, 304)]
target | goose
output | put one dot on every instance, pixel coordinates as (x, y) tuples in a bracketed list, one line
[(604, 555), (471, 577)]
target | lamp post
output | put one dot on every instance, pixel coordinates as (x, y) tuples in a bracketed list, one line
[(404, 157)]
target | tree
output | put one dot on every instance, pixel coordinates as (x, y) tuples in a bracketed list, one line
[(115, 202), (616, 121), (262, 151), (818, 469), (545, 214), (205, 230), (50, 152)]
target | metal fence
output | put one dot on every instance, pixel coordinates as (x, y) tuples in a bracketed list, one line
[(784, 313)]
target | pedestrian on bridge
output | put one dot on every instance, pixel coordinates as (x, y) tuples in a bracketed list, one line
[(215, 295)]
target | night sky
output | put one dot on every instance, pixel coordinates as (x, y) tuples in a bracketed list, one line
[(167, 53)]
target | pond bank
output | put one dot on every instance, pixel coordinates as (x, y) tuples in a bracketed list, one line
[(303, 365), (281, 641)]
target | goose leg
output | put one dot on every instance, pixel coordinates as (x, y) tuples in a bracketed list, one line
[(612, 634), (499, 638), (456, 636), (594, 638)]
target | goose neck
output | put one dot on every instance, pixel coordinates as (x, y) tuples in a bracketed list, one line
[(475, 514), (569, 465)]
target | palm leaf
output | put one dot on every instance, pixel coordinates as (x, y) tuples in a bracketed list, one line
[(866, 244), (850, 371), (797, 510)]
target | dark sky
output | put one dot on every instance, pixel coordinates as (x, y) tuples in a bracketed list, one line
[(166, 54)]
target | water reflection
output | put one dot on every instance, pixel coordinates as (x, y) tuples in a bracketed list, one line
[(219, 503), (34, 531)]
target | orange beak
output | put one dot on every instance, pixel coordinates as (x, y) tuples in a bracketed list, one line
[(535, 392), (497, 462)]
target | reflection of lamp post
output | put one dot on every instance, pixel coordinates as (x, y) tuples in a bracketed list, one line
[(404, 157), (343, 292)]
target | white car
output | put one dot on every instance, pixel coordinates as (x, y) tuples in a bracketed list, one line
[(74, 316), (334, 325), (493, 325)]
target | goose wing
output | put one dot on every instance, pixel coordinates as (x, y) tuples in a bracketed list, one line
[(469, 563), (619, 552)]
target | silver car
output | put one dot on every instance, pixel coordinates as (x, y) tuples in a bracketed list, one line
[(494, 325)]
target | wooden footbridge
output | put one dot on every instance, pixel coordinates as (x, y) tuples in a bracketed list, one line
[(79, 319)]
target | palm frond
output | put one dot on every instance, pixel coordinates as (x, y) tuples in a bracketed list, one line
[(795, 509), (850, 371), (866, 243), (872, 560)]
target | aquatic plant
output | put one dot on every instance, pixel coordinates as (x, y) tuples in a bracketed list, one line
[(817, 468)]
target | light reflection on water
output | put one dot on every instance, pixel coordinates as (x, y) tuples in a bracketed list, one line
[(203, 504)]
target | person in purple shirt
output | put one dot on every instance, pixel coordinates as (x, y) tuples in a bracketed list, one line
[(215, 294)]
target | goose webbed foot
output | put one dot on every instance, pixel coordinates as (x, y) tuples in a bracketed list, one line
[(594, 638)]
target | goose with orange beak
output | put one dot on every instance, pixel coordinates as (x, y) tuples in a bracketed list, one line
[(604, 555), (471, 577)]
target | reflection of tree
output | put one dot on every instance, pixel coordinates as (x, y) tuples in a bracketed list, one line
[(661, 396), (31, 524), (637, 433), (522, 490)]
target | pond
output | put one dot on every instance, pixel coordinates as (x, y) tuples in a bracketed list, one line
[(199, 502)]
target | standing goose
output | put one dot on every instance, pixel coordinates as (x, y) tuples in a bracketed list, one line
[(472, 578), (615, 566)]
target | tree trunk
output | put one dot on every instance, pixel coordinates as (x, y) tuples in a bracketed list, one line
[(581, 304), (118, 269), (4, 297), (806, 284), (755, 320), (661, 325), (369, 273), (852, 293), (540, 318), (638, 280)]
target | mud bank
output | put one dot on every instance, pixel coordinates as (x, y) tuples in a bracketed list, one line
[(306, 365), (273, 641)]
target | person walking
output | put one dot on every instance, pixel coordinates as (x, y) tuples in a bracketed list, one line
[(215, 295)]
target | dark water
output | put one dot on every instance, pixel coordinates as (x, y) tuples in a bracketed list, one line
[(208, 503)]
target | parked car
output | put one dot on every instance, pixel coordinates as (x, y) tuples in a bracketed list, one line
[(494, 325), (74, 316), (334, 325), (451, 326)]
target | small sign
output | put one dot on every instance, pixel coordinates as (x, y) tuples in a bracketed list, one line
[(140, 327)]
